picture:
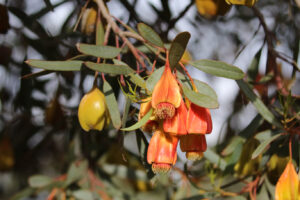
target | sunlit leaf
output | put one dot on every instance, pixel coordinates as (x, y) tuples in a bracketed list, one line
[(257, 102), (98, 50), (140, 123), (218, 68), (109, 68), (150, 35), (112, 105), (200, 99), (38, 181), (99, 33), (261, 148), (178, 47), (69, 65)]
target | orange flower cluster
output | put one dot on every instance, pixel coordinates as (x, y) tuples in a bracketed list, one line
[(173, 120)]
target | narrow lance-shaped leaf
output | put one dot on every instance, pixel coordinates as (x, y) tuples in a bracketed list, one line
[(112, 105), (178, 47), (202, 87), (260, 149), (99, 32), (98, 50), (150, 35), (69, 65), (257, 102), (140, 123), (109, 68), (134, 77), (218, 68), (154, 78), (200, 99)]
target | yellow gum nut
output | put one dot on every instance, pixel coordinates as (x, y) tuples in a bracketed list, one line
[(211, 8), (249, 3), (92, 111), (246, 166)]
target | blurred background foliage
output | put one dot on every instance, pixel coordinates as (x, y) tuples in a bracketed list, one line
[(44, 153)]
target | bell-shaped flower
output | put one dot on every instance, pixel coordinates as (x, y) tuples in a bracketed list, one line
[(176, 125), (162, 151), (288, 184), (92, 111), (151, 125), (198, 120), (166, 95), (193, 145)]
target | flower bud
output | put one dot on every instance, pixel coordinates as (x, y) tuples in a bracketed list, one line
[(288, 184), (162, 151), (193, 145), (92, 111), (211, 8)]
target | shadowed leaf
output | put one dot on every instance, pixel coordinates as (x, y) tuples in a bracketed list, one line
[(178, 47)]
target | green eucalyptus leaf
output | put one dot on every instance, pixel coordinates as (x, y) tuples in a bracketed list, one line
[(257, 102), (83, 195), (261, 148), (101, 51), (154, 78), (39, 181), (199, 98), (150, 35), (109, 68), (218, 68), (134, 77), (178, 47), (75, 172), (214, 158), (99, 33), (69, 65), (140, 123), (112, 105)]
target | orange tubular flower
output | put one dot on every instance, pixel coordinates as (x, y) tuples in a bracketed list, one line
[(151, 124), (166, 95), (176, 125), (287, 185), (193, 145), (198, 120), (162, 151)]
